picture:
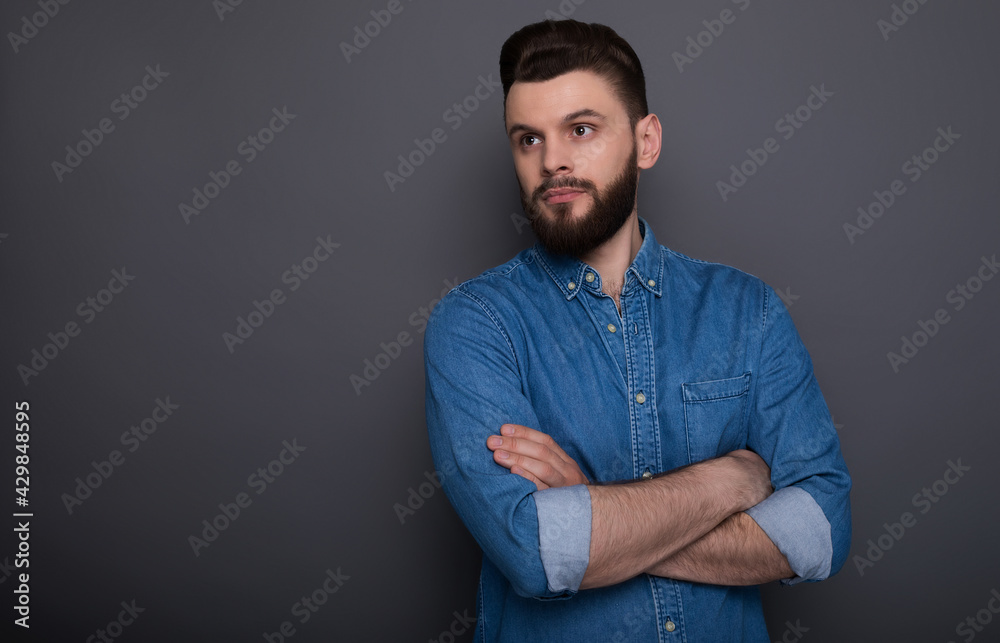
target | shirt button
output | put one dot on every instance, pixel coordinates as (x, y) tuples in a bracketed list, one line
[(571, 285), (652, 283), (669, 626), (612, 328), (590, 277), (646, 475), (640, 398)]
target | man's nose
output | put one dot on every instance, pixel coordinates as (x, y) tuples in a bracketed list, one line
[(557, 158)]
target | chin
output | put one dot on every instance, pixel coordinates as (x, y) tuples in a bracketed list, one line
[(573, 210)]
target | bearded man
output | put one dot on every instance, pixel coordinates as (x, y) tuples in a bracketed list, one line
[(635, 438)]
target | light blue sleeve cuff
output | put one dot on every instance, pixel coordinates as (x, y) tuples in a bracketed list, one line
[(798, 527), (564, 535)]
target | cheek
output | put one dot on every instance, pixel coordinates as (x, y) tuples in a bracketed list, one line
[(525, 177), (596, 150), (600, 160)]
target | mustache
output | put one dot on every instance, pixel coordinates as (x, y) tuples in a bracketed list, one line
[(556, 183)]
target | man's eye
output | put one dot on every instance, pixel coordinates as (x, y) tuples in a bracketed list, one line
[(582, 130), (529, 140)]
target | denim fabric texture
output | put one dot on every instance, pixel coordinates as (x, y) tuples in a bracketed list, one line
[(702, 360)]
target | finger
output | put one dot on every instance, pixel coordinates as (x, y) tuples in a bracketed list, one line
[(526, 447), (527, 433), (527, 475), (504, 459), (544, 439), (541, 471)]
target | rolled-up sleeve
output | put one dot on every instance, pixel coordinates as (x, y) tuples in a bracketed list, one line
[(809, 516), (564, 522), (474, 386)]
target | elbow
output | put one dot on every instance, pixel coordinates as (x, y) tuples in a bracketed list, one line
[(527, 579), (835, 557), (552, 562), (517, 549), (841, 537), (812, 537)]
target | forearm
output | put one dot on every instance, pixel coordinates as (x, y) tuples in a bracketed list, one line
[(736, 552), (637, 526)]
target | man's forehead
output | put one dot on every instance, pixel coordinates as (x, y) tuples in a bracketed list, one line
[(551, 101)]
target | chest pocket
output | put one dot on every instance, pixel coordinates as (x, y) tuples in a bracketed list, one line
[(713, 416)]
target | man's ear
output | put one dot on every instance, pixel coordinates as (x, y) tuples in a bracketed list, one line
[(649, 139)]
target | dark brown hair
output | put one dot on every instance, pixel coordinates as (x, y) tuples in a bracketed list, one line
[(544, 50)]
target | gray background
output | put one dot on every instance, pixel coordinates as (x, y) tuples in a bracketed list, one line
[(334, 506)]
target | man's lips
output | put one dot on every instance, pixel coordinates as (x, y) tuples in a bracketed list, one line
[(562, 195)]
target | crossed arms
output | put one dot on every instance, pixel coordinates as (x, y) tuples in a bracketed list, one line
[(714, 521), (687, 524)]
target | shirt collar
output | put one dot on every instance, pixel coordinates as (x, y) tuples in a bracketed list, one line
[(571, 275)]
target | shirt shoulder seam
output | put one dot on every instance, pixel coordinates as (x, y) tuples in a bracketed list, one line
[(502, 270), (683, 257), (492, 315)]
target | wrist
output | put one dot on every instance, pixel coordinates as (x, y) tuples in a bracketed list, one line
[(733, 480)]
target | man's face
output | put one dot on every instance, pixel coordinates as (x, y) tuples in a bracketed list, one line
[(575, 157)]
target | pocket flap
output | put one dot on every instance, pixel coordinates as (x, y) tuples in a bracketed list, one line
[(716, 389)]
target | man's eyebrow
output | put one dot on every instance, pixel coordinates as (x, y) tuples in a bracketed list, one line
[(568, 118)]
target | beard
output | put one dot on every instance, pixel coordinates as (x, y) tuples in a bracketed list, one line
[(611, 208)]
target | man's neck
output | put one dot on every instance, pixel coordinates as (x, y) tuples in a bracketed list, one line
[(613, 257)]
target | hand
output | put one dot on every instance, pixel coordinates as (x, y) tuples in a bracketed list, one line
[(534, 456), (754, 476)]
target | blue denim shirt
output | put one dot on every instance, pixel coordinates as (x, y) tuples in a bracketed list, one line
[(703, 359)]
